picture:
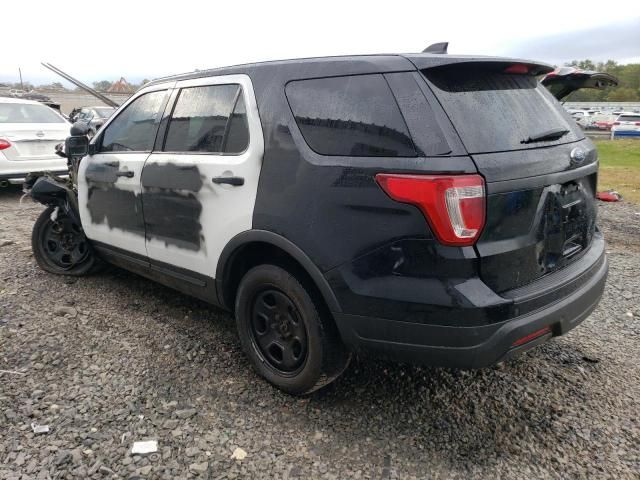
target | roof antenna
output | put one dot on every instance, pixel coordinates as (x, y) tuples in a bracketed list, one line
[(440, 48)]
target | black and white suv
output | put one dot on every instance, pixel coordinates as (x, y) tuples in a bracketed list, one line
[(437, 209)]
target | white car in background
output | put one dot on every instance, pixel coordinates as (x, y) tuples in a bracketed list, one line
[(626, 125), (584, 118), (29, 132)]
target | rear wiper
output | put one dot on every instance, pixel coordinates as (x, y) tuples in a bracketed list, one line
[(553, 134)]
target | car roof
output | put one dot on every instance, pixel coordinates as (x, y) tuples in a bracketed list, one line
[(354, 64), (19, 100)]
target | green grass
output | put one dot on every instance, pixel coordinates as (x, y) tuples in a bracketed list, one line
[(620, 167)]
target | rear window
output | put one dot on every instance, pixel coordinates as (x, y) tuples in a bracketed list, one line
[(629, 118), (494, 111), (28, 113), (350, 116)]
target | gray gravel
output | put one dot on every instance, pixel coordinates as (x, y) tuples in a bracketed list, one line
[(111, 359)]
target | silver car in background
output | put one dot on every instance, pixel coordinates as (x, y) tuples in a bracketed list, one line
[(29, 132)]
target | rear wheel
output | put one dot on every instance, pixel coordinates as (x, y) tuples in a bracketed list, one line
[(59, 244), (286, 334)]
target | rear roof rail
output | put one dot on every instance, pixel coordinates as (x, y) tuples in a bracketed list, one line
[(440, 47)]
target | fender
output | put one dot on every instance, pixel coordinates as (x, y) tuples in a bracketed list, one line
[(51, 191), (264, 236)]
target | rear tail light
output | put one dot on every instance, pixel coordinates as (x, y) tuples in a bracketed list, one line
[(4, 143), (454, 205), (637, 123)]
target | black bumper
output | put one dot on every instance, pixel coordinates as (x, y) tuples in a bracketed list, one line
[(477, 346)]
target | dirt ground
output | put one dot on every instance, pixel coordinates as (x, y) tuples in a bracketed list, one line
[(110, 359)]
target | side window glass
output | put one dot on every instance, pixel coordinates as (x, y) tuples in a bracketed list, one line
[(351, 116), (208, 119), (134, 129), (237, 139)]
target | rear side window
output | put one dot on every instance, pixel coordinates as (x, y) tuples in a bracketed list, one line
[(209, 119), (134, 130), (494, 111), (350, 116), (629, 118)]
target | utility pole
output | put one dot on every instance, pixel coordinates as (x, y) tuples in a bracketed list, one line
[(21, 84)]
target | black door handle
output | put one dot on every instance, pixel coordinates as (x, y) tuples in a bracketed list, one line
[(124, 173), (235, 181)]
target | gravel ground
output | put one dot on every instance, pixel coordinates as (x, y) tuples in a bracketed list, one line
[(111, 359)]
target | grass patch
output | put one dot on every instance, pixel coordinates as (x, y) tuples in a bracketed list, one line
[(620, 167)]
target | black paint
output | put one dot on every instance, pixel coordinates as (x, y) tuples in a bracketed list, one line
[(168, 208)]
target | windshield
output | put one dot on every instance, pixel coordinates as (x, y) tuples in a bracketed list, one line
[(104, 112), (28, 113), (494, 111)]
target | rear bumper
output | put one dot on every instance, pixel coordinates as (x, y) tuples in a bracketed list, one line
[(15, 171), (476, 346)]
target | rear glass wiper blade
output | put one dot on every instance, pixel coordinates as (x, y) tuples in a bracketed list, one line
[(553, 134)]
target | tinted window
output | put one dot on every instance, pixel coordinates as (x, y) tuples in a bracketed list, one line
[(27, 113), (354, 116), (134, 129), (208, 119), (494, 111), (629, 118)]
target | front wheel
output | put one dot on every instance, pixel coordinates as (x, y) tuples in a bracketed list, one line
[(59, 244), (288, 336)]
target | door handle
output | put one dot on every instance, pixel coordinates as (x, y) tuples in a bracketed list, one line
[(124, 173), (235, 181)]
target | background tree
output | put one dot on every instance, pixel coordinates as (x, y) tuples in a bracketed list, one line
[(102, 85)]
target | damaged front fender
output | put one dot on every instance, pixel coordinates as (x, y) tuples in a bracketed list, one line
[(47, 189)]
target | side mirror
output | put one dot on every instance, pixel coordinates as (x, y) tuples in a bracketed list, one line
[(79, 128), (76, 145)]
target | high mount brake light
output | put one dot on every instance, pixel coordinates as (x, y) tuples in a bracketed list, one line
[(4, 143), (454, 205), (518, 69)]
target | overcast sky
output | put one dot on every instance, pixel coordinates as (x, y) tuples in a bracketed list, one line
[(136, 39)]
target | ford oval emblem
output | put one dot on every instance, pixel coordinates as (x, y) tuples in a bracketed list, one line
[(577, 156), (40, 134)]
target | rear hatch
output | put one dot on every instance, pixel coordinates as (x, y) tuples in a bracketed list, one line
[(539, 168)]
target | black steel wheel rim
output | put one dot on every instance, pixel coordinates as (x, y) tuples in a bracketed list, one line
[(278, 331), (64, 243)]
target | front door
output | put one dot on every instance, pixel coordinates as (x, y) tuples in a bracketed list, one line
[(199, 188), (109, 192)]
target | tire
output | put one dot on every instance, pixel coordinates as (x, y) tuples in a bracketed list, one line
[(60, 246), (288, 336)]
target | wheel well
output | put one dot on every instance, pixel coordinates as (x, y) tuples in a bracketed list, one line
[(259, 253)]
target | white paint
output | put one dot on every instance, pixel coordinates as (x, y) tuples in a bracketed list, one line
[(226, 210), (148, 446), (128, 161)]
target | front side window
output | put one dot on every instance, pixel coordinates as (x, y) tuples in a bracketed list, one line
[(351, 116), (208, 119), (134, 129)]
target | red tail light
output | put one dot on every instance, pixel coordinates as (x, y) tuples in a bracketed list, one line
[(637, 123), (4, 143), (454, 205), (531, 336)]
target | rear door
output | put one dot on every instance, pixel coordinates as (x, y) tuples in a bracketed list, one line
[(539, 168), (109, 191), (199, 186)]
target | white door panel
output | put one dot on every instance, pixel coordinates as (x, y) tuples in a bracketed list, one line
[(189, 218), (109, 191)]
